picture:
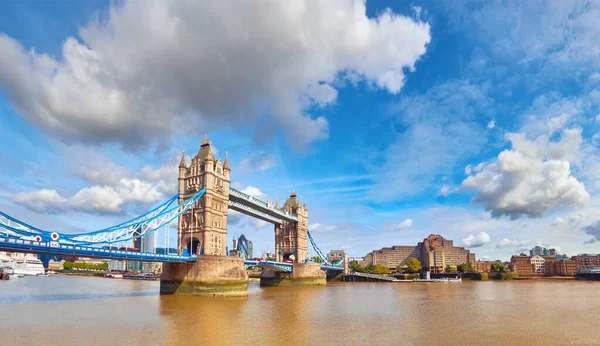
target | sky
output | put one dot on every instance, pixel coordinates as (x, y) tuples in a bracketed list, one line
[(392, 120)]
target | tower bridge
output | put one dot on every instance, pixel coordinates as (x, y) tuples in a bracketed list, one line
[(201, 265)]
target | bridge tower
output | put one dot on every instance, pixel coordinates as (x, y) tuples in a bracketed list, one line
[(202, 230), (291, 237)]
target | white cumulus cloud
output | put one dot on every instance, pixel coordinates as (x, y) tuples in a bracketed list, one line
[(477, 240), (150, 69), (491, 124), (530, 178), (558, 221)]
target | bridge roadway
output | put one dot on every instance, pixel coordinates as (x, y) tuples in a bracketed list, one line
[(58, 249), (254, 207)]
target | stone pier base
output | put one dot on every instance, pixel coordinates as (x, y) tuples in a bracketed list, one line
[(222, 276), (304, 274)]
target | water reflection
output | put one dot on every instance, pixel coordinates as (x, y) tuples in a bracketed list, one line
[(73, 311)]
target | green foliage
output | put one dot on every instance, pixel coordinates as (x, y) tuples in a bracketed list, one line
[(409, 276), (413, 265), (450, 269), (498, 267), (377, 269), (316, 259), (480, 276), (355, 266), (87, 266), (504, 276), (465, 268)]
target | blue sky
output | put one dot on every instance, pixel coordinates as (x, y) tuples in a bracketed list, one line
[(475, 120)]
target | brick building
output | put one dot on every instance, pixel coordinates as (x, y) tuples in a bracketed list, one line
[(587, 260), (526, 266), (434, 252), (483, 266)]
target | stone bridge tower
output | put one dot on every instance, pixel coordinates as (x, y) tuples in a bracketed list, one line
[(291, 237), (202, 229)]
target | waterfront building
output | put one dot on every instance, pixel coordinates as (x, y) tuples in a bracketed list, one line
[(336, 255), (587, 260), (56, 265), (539, 263), (483, 266), (561, 267), (117, 265), (434, 252), (152, 267), (522, 265)]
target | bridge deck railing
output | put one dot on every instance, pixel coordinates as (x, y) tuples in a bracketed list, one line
[(263, 204)]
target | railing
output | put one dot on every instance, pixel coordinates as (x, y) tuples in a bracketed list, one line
[(283, 266), (263, 204), (374, 276), (589, 270), (239, 206), (65, 249)]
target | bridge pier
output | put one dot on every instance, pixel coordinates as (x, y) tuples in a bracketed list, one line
[(303, 274), (210, 275)]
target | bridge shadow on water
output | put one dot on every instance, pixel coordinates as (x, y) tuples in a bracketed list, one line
[(73, 296)]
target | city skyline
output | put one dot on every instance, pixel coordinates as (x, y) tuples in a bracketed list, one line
[(425, 120)]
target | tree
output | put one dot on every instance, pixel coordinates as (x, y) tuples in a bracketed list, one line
[(465, 268), (450, 269), (377, 269), (413, 265), (316, 259), (399, 268), (498, 267), (355, 266)]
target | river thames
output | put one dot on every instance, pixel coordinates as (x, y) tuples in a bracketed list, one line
[(69, 310)]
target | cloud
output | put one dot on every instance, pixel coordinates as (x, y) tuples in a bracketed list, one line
[(477, 241), (530, 178), (558, 221), (102, 199), (491, 124), (319, 227), (148, 70), (593, 230), (43, 201), (404, 224), (512, 243), (445, 190), (322, 94), (258, 162), (113, 186), (468, 170)]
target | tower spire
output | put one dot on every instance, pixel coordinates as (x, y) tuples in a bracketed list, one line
[(182, 163), (226, 163)]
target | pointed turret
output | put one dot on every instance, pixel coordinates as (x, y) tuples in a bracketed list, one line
[(182, 163), (205, 152), (226, 164)]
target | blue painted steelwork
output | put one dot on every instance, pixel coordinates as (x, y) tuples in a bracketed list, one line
[(248, 210), (54, 248), (149, 222), (246, 199), (272, 265)]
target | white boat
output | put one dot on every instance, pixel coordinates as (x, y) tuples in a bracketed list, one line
[(28, 265)]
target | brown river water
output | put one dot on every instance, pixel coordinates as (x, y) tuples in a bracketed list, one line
[(69, 310)]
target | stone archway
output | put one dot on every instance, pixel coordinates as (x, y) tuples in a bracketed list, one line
[(193, 247)]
